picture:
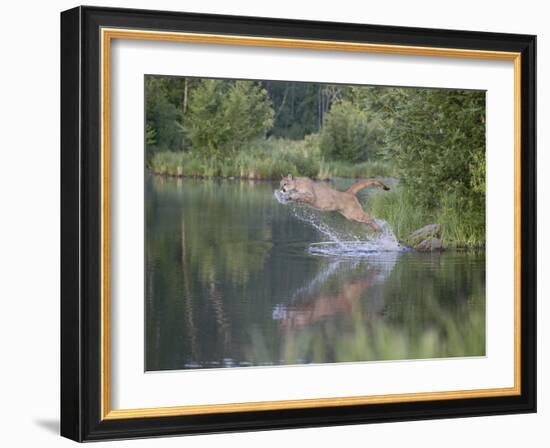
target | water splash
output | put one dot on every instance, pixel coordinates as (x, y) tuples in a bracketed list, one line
[(359, 241), (281, 197)]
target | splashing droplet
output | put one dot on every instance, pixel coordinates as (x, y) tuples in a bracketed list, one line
[(282, 198)]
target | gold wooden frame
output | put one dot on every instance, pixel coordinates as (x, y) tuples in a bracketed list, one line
[(107, 35)]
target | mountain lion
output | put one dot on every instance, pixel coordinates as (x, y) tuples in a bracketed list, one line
[(321, 196)]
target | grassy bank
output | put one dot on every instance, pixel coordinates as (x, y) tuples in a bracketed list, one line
[(264, 159), (462, 227)]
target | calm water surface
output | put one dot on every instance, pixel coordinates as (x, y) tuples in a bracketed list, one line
[(234, 279)]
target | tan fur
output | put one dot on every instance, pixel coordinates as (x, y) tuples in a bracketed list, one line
[(321, 196), (324, 306)]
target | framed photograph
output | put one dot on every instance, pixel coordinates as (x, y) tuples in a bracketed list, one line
[(273, 223)]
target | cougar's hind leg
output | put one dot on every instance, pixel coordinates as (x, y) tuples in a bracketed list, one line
[(366, 219), (359, 215)]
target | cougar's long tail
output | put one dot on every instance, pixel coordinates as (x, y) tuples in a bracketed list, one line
[(364, 183)]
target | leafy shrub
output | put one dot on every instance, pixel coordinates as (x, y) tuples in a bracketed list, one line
[(349, 134), (162, 130), (224, 116), (437, 143)]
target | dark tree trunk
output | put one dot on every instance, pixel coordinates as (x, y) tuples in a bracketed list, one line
[(185, 94)]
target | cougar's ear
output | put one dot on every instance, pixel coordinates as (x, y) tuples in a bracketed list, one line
[(290, 176)]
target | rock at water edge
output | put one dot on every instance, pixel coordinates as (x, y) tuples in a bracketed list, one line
[(429, 231), (430, 244)]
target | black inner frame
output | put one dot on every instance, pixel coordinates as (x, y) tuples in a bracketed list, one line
[(81, 224)]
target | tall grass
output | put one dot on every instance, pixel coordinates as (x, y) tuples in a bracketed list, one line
[(264, 159), (462, 226), (396, 208)]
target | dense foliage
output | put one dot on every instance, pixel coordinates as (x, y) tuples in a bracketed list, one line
[(437, 141), (211, 117), (350, 133), (162, 116), (224, 116)]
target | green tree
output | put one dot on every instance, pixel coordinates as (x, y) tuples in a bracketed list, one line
[(350, 133), (150, 135), (223, 116), (205, 122), (162, 130), (247, 112), (437, 142), (300, 107)]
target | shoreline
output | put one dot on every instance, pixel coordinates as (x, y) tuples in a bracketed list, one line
[(452, 246), (248, 178)]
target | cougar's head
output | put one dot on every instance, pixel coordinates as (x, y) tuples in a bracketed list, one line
[(288, 183)]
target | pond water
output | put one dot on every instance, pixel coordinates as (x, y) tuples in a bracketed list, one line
[(235, 278)]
